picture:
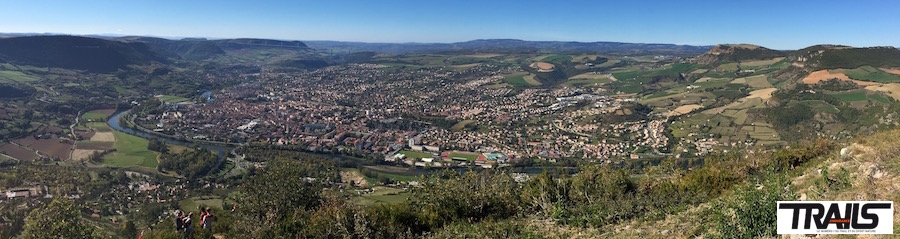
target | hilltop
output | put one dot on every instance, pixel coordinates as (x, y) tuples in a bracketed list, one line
[(203, 49), (844, 57), (73, 52), (736, 53)]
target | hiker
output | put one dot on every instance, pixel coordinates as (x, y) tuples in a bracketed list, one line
[(207, 219), (188, 228), (202, 216), (179, 220)]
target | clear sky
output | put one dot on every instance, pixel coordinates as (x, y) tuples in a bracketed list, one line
[(783, 24)]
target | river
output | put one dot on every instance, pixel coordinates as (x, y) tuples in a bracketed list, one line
[(221, 151)]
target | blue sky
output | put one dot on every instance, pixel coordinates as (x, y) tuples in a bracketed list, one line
[(774, 24)]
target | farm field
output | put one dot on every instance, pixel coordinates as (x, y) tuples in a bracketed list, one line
[(756, 82), (52, 146), (542, 66), (130, 151), (99, 126), (868, 73), (609, 63), (98, 115), (16, 76), (856, 95), (684, 109), (521, 80), (892, 89), (761, 63), (823, 75), (583, 58), (891, 70), (17, 152)]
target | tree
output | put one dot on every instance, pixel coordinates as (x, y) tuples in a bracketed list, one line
[(59, 219), (128, 230), (277, 201)]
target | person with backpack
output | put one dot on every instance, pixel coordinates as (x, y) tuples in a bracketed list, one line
[(207, 219), (188, 228), (179, 220)]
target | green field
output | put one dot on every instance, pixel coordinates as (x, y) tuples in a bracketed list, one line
[(192, 204), (94, 116), (758, 82), (557, 59), (880, 98), (467, 156), (821, 106), (608, 63), (382, 195), (16, 76), (520, 81), (391, 175), (172, 98), (130, 151), (415, 155), (858, 95), (868, 73), (99, 126), (461, 125), (728, 67)]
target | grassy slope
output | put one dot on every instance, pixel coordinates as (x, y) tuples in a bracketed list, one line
[(870, 172)]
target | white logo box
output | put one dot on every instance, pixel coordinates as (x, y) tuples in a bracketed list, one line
[(865, 217)]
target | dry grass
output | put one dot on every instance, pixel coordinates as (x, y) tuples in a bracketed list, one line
[(684, 109), (891, 70), (103, 136), (823, 75), (757, 81), (531, 80), (762, 62), (869, 167), (892, 89), (764, 94), (82, 154), (353, 176), (542, 66)]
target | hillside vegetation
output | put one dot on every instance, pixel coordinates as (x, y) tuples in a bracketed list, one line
[(81, 53), (841, 57), (737, 53)]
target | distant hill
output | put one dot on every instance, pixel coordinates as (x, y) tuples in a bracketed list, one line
[(836, 56), (736, 53), (201, 49), (260, 43), (511, 45), (72, 52), (185, 49)]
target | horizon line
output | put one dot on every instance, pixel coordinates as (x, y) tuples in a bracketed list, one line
[(176, 38)]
